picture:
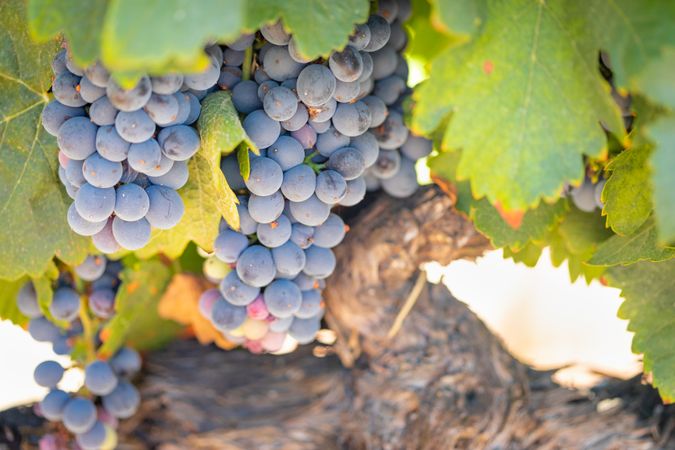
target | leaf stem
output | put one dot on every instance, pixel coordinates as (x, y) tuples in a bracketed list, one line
[(248, 62)]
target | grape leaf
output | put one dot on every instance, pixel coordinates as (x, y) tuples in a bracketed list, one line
[(425, 40), (529, 254), (136, 320), (33, 226), (463, 18), (627, 195), (648, 288), (641, 245), (79, 21), (662, 132), (318, 26), (244, 161), (206, 195), (9, 309), (656, 80), (522, 118)]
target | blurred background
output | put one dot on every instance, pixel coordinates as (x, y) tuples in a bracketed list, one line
[(542, 318)]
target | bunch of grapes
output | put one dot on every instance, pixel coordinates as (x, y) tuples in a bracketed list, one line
[(107, 396), (326, 130), (587, 196), (124, 153)]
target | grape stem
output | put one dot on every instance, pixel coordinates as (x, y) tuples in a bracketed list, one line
[(316, 167), (246, 66)]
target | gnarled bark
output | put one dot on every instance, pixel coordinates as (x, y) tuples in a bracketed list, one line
[(442, 381)]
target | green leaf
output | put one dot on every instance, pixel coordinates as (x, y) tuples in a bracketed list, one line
[(656, 80), (206, 195), (528, 255), (79, 21), (648, 289), (33, 205), (318, 26), (662, 132), (9, 310), (136, 320), (627, 195), (463, 17), (425, 41), (526, 100), (160, 36), (244, 161), (640, 246)]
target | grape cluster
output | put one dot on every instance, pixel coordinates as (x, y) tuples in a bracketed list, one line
[(92, 414), (124, 153), (327, 130)]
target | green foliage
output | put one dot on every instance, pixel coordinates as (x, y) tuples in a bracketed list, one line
[(136, 320), (662, 133), (33, 227), (648, 289), (639, 246), (206, 195), (8, 306)]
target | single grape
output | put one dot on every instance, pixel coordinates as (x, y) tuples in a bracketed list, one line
[(255, 266), (388, 9), (264, 88), (257, 310), (387, 164), (306, 136), (123, 401), (162, 109), (367, 68), (77, 138), (59, 62), (48, 374), (289, 259), (323, 113), (282, 298), (275, 33), (392, 133), (27, 301), (110, 145), (246, 223), (175, 178), (100, 172), (404, 182), (298, 183), (291, 84), (320, 262), (390, 89), (286, 151), (245, 97), (53, 404), (402, 68), (330, 233), (236, 291), (42, 330), (132, 99), (135, 126), (262, 130), (229, 245), (131, 235), (316, 85), (166, 84), (275, 233), (330, 141), (55, 114), (61, 346), (298, 120), (320, 127), (143, 156), (379, 33), (398, 38), (352, 119), (404, 10), (126, 362), (312, 304), (311, 212), (89, 91), (259, 75), (72, 66), (265, 177), (195, 109), (184, 109), (360, 37), (295, 53), (302, 235), (348, 162), (243, 42), (583, 196), (346, 92), (279, 65), (94, 438), (304, 330), (416, 147), (206, 301), (205, 79), (266, 209), (91, 268), (166, 207), (226, 316), (346, 65), (229, 77), (164, 166), (233, 57), (97, 74), (230, 168), (280, 103), (331, 187), (385, 62), (79, 415), (305, 282), (99, 378), (132, 202), (66, 89), (74, 173), (102, 112), (365, 88), (102, 303), (367, 145), (104, 240)]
